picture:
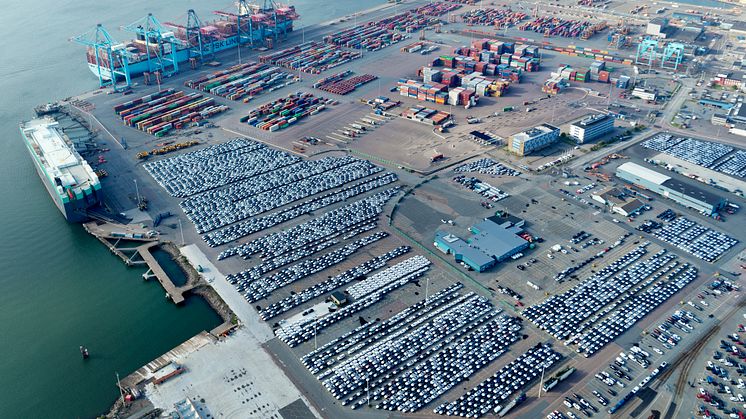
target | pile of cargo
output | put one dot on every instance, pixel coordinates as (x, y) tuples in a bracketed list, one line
[(596, 72), (167, 149), (370, 37), (160, 112), (554, 85), (500, 18), (242, 81), (341, 85), (425, 115), (483, 86), (491, 51), (311, 57), (437, 93), (554, 26), (283, 112), (599, 55)]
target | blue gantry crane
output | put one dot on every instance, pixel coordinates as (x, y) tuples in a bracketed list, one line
[(198, 42), (106, 57), (160, 44), (673, 55), (647, 52)]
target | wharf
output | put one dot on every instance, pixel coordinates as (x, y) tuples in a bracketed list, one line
[(146, 372), (112, 235), (176, 294)]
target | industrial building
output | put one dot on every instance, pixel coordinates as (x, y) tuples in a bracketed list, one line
[(657, 27), (533, 139), (619, 201), (735, 79), (591, 127), (688, 195), (494, 240)]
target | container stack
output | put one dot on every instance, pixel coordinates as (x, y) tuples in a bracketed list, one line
[(242, 81), (341, 85), (311, 57), (159, 113), (282, 113), (370, 37), (500, 18), (554, 26), (436, 9), (596, 54)]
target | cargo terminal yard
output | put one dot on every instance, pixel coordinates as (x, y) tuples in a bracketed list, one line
[(393, 209)]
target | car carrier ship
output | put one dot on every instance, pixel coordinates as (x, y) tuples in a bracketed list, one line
[(69, 179), (162, 47)]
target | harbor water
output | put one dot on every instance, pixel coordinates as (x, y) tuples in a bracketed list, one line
[(59, 287)]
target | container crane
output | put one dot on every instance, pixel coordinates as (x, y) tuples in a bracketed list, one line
[(195, 37), (160, 45), (108, 56), (244, 26)]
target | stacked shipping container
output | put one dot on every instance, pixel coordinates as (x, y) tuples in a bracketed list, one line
[(161, 112), (286, 111), (242, 81)]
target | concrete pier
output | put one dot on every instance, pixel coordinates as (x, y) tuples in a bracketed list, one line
[(176, 294)]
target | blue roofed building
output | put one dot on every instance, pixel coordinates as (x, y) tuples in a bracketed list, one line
[(494, 239)]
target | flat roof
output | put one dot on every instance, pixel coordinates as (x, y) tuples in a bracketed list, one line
[(632, 205), (693, 191), (495, 240), (592, 120), (644, 173)]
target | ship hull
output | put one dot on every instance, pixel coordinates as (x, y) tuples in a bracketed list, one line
[(74, 211), (182, 56)]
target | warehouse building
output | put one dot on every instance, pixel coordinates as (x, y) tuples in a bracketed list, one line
[(620, 201), (591, 127), (688, 195), (495, 239), (536, 138)]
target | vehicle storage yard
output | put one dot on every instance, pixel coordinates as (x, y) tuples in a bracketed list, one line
[(318, 214)]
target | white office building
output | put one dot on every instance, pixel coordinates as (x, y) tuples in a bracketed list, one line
[(591, 127)]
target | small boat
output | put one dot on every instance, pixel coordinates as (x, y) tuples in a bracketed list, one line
[(84, 352)]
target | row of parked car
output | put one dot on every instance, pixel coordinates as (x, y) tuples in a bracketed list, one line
[(265, 221), (324, 287), (599, 309), (457, 360), (321, 360), (562, 275), (327, 226), (487, 166), (693, 238), (561, 315), (724, 380), (215, 166), (375, 364), (255, 290), (492, 394), (703, 153), (296, 331), (642, 300), (270, 190)]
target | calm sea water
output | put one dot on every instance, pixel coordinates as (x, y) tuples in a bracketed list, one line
[(59, 287)]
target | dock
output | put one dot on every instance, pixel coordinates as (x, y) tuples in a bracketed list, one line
[(176, 294), (113, 235)]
